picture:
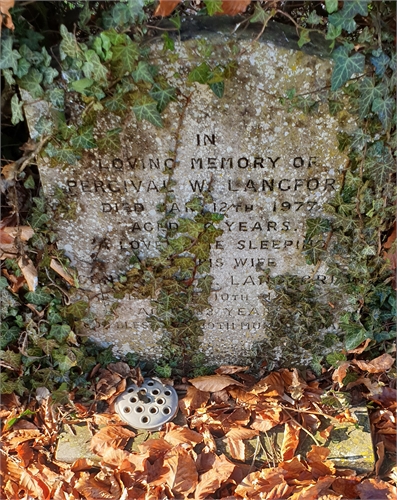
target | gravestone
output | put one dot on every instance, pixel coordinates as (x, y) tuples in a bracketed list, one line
[(267, 168)]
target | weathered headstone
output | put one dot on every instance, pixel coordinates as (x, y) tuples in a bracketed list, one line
[(268, 170)]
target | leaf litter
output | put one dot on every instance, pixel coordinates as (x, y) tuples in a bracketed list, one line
[(208, 453)]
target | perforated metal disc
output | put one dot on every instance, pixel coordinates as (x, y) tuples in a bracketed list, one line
[(149, 406)]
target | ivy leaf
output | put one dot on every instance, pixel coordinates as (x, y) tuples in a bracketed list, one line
[(191, 227), (10, 386), (67, 155), (31, 82), (33, 57), (9, 57), (345, 17), (213, 6), (162, 96), (142, 73), (168, 42), (334, 107), (57, 98), (16, 109), (59, 332), (124, 57), (77, 309), (84, 140), (81, 85), (39, 297), (7, 73), (116, 103), (316, 226), (69, 45), (331, 6), (93, 68), (384, 108), (205, 284), (304, 37), (201, 250), (217, 88), (345, 66), (111, 140), (368, 92), (333, 32), (380, 62), (355, 335), (147, 110), (44, 126), (49, 74), (47, 345), (46, 57), (180, 244), (12, 358), (199, 74), (23, 68), (195, 204), (336, 358), (314, 18), (8, 335), (64, 362), (379, 163)]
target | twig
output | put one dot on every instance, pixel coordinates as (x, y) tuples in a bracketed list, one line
[(255, 454), (303, 428)]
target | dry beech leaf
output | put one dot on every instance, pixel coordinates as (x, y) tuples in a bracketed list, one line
[(194, 399), (25, 453), (266, 483), (177, 435), (213, 383), (376, 489), (377, 365), (230, 369), (56, 266), (115, 436), (347, 487), (361, 348), (234, 7), (272, 385), (211, 480), (235, 438), (183, 477), (290, 440), (340, 373), (317, 461), (5, 17), (155, 446), (29, 272), (313, 492), (166, 7)]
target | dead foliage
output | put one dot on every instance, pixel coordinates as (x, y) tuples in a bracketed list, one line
[(228, 409)]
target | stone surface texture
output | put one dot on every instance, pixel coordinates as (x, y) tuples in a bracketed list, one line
[(268, 171)]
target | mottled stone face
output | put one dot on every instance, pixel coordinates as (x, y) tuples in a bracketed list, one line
[(267, 169)]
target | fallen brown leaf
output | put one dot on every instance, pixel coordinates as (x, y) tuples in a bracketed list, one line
[(213, 383), (377, 365), (115, 436), (175, 435), (376, 489), (234, 7), (290, 440), (340, 373), (183, 477), (5, 17), (230, 369), (268, 483), (56, 266), (194, 399), (211, 480), (29, 272), (166, 7), (235, 439)]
